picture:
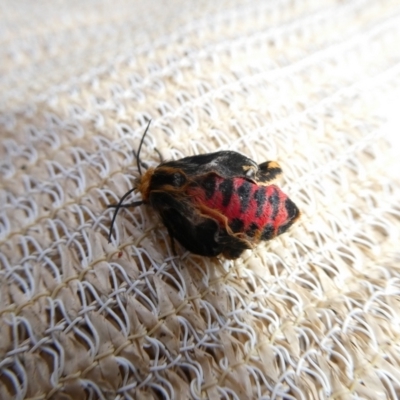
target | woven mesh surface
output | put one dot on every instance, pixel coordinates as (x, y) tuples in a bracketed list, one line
[(313, 314)]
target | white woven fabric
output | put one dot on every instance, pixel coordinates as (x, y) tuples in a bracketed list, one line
[(313, 314)]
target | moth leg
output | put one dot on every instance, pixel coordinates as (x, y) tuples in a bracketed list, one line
[(268, 172)]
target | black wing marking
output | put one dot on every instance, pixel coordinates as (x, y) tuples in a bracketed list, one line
[(227, 164), (198, 234)]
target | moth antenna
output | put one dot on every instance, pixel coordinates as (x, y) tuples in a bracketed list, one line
[(140, 148), (159, 155), (136, 203), (118, 206)]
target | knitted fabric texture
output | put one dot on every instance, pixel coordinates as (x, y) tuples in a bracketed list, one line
[(312, 314)]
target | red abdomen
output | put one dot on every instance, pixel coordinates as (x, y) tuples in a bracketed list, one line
[(256, 211)]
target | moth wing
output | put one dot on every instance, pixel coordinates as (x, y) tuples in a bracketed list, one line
[(227, 164), (196, 233)]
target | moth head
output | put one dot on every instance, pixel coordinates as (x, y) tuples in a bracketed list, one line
[(167, 178)]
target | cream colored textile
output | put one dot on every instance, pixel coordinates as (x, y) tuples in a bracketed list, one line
[(313, 314)]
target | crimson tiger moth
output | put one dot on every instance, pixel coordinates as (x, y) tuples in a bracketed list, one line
[(215, 203)]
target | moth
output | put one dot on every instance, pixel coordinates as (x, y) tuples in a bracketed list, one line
[(215, 203)]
